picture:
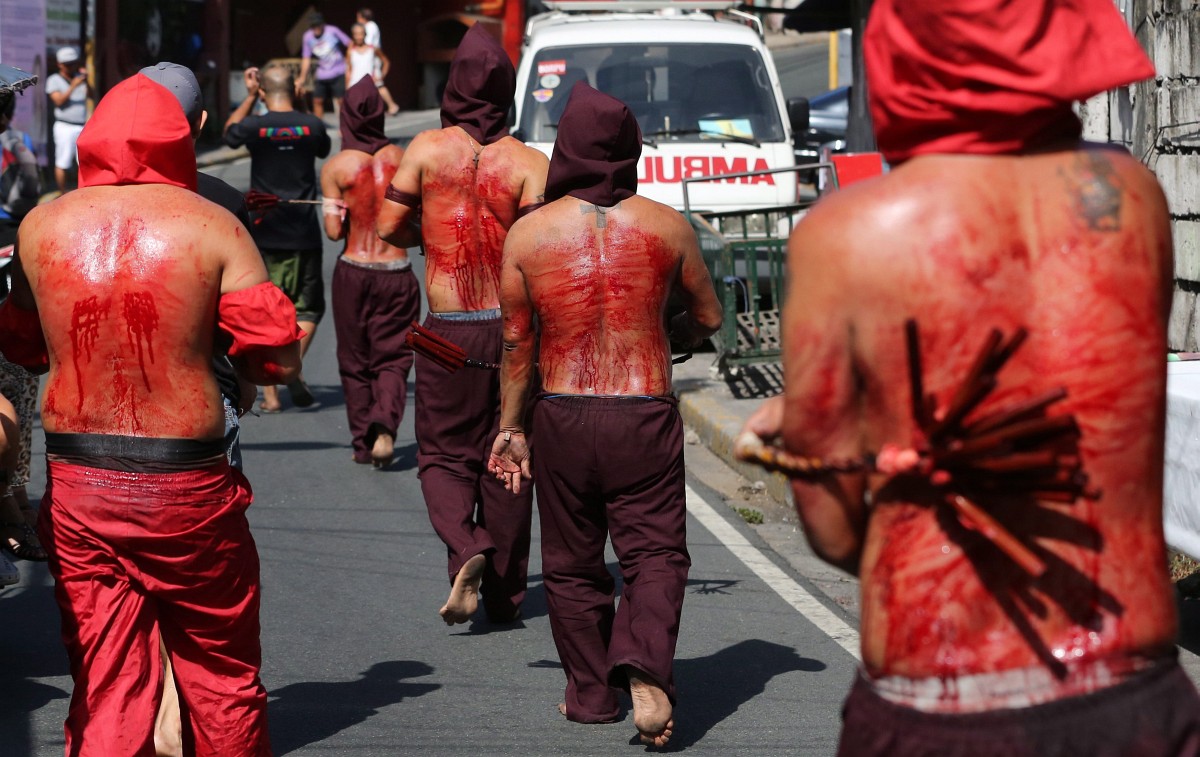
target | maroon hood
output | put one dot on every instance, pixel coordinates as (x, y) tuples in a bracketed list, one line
[(138, 135), (481, 88), (362, 118), (597, 149)]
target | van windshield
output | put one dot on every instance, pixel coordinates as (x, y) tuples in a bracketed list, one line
[(678, 92)]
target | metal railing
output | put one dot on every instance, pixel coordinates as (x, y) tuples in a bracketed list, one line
[(746, 254)]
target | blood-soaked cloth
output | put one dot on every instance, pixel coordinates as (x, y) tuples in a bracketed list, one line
[(457, 417), (373, 310), (480, 87), (1155, 712), (256, 317), (990, 77), (611, 466), (596, 151), (135, 554)]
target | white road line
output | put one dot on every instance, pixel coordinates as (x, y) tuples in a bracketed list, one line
[(791, 592)]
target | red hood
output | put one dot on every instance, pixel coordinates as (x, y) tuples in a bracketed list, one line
[(990, 76), (138, 135)]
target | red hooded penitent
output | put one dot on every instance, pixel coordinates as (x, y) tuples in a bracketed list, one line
[(138, 135), (990, 76)]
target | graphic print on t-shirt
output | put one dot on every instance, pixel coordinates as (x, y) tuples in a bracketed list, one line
[(279, 133)]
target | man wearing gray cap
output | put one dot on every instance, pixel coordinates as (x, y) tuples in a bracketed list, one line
[(68, 90)]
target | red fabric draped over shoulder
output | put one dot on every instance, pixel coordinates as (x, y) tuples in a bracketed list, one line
[(990, 76)]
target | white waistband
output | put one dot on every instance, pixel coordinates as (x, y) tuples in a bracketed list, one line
[(1005, 689)]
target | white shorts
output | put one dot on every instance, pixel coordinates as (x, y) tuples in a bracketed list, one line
[(65, 137)]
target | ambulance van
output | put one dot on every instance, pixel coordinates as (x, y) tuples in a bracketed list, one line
[(696, 74)]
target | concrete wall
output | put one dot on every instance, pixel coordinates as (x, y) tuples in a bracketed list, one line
[(1159, 121)]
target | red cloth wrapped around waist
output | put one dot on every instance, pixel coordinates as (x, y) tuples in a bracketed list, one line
[(256, 317)]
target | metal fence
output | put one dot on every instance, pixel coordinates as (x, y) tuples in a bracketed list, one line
[(746, 254)]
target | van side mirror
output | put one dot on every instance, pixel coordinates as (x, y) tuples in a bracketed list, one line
[(798, 115)]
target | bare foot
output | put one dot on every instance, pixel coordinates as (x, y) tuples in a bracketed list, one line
[(651, 708), (562, 709), (384, 449), (464, 595)]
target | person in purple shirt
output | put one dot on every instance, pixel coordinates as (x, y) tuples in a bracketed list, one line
[(328, 45)]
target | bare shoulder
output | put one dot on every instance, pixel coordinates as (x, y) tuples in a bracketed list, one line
[(390, 154)]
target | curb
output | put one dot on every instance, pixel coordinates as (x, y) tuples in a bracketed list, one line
[(717, 428)]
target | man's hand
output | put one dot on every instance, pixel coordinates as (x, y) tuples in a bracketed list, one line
[(767, 421), (250, 79), (509, 460)]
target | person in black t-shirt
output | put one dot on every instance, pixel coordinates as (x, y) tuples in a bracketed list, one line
[(284, 145)]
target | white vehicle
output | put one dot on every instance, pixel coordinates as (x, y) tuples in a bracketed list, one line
[(703, 89)]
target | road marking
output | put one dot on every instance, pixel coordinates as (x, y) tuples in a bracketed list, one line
[(791, 592)]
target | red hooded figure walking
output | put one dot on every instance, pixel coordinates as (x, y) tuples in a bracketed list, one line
[(124, 290), (1051, 631)]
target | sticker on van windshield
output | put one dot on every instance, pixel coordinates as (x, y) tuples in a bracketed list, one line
[(552, 67), (550, 81), (734, 127), (543, 95)]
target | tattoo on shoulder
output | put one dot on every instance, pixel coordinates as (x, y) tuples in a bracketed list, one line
[(1096, 190)]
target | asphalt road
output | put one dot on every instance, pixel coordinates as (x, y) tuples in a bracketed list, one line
[(358, 662)]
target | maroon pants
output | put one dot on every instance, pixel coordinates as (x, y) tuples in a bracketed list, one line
[(136, 555), (605, 467), (372, 313), (457, 419), (1154, 714)]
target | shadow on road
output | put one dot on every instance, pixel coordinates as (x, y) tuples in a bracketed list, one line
[(712, 688), (306, 713), (31, 648)]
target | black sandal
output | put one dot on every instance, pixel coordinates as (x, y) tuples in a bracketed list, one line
[(25, 546)]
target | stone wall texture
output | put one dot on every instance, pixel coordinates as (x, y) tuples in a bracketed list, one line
[(1159, 121)]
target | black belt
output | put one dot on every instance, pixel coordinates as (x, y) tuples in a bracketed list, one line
[(134, 453)]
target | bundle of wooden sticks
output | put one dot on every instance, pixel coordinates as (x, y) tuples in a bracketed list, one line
[(442, 351), (1014, 450)]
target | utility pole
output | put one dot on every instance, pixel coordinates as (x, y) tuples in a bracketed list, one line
[(859, 135)]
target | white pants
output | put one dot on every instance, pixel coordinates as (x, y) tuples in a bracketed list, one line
[(65, 137)]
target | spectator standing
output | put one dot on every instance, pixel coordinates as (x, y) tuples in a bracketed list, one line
[(366, 17), (326, 43), (284, 145), (68, 91), (366, 60)]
